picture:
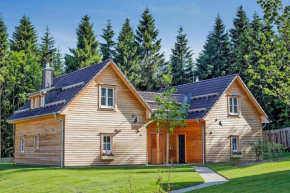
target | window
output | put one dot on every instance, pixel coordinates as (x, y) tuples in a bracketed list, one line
[(37, 143), (36, 102), (107, 97), (22, 145), (234, 106), (235, 144), (107, 147)]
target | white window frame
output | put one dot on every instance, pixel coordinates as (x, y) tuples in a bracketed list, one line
[(37, 143), (107, 143), (237, 144), (107, 97), (22, 145), (112, 148), (232, 107)]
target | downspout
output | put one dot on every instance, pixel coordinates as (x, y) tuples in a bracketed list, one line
[(62, 140), (203, 141), (146, 125), (264, 126)]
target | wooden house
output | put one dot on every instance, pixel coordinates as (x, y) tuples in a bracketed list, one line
[(94, 116)]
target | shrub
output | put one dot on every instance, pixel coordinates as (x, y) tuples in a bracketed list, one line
[(267, 149)]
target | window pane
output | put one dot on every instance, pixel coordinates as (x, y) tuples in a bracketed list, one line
[(108, 139), (235, 109), (235, 101), (104, 92), (231, 101), (110, 92), (103, 101), (110, 102), (108, 147)]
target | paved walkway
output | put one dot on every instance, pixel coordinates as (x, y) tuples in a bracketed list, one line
[(210, 178)]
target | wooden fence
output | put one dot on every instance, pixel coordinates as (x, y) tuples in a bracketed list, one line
[(281, 136)]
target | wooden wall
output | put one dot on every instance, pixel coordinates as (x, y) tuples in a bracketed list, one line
[(49, 131), (193, 146), (247, 126), (85, 122)]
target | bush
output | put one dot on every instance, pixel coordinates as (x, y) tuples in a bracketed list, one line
[(267, 150)]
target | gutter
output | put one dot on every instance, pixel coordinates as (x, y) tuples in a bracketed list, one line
[(203, 141), (62, 140)]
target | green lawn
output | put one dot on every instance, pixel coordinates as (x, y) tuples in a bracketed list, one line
[(266, 177), (16, 178)]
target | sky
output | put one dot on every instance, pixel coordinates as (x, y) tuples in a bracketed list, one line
[(63, 16)]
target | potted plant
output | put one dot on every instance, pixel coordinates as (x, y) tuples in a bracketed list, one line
[(107, 156)]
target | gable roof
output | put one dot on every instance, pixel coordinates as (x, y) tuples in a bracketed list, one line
[(204, 94), (149, 98), (71, 85)]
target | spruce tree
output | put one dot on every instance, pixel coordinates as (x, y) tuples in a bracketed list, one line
[(181, 61), (58, 68), (214, 60), (25, 37), (107, 48), (86, 52), (4, 45), (47, 49), (149, 51), (240, 42), (126, 54)]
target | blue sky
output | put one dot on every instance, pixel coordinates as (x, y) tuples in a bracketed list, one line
[(63, 16)]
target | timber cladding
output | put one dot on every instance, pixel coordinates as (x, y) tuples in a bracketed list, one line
[(246, 126), (193, 143), (85, 122), (48, 129)]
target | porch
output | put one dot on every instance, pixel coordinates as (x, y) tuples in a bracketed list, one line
[(185, 144)]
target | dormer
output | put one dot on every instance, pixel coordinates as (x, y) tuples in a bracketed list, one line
[(36, 100)]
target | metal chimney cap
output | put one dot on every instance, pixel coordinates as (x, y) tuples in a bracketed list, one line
[(47, 66)]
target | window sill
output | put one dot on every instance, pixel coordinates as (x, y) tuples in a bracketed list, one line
[(107, 109), (21, 154), (234, 115), (107, 157)]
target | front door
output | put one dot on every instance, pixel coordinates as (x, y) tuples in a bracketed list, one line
[(181, 145)]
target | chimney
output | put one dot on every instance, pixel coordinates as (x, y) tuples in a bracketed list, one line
[(47, 76)]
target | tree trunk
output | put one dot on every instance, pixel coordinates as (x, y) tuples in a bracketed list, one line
[(167, 147)]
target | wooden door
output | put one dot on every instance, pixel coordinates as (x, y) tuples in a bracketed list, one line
[(153, 149), (181, 148)]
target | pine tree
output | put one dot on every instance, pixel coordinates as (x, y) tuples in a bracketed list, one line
[(25, 37), (181, 61), (240, 42), (214, 60), (4, 45), (58, 68), (149, 51), (47, 49), (241, 24), (107, 48), (86, 53), (126, 54)]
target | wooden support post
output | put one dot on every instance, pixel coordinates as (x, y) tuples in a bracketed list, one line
[(157, 148)]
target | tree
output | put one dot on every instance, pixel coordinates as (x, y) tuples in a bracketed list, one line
[(240, 43), (126, 56), (149, 51), (58, 68), (214, 60), (86, 52), (47, 49), (181, 61), (4, 45), (107, 48), (25, 37), (274, 59), (169, 115)]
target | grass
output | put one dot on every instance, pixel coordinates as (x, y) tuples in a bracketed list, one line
[(266, 177), (17, 178)]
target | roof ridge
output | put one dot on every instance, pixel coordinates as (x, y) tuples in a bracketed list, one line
[(158, 93), (200, 81), (83, 68)]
